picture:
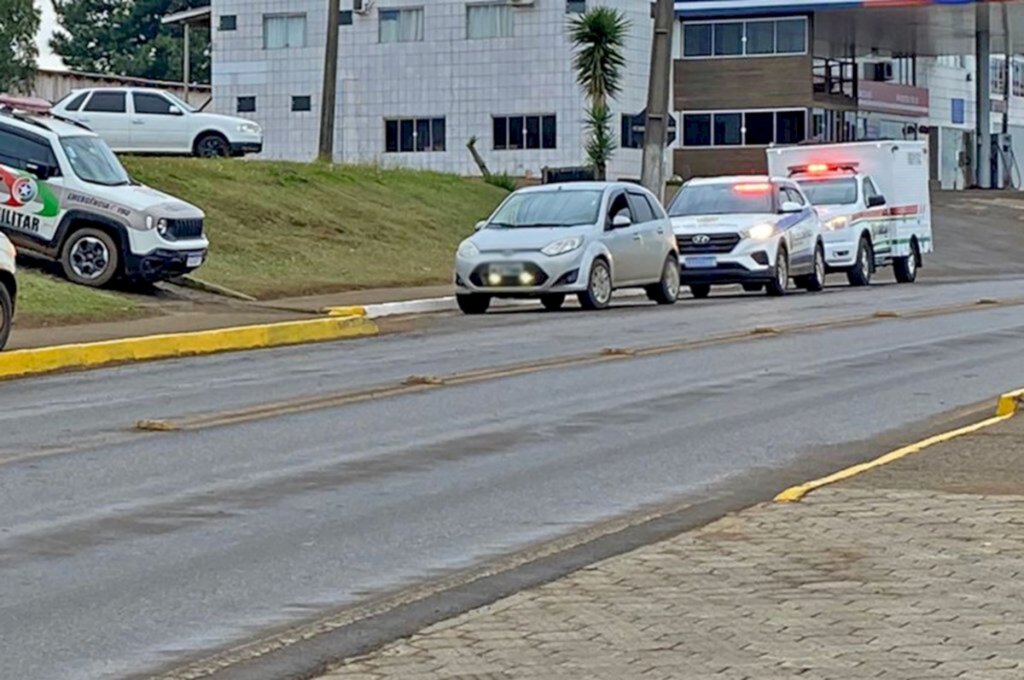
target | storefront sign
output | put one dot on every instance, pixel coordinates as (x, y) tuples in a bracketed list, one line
[(903, 100)]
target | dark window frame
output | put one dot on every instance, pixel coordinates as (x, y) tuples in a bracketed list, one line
[(248, 98), (123, 94), (707, 120), (136, 96), (701, 41), (302, 103), (524, 131), (21, 162), (575, 6), (403, 135), (227, 22)]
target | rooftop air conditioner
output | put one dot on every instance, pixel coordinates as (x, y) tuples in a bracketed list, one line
[(362, 6)]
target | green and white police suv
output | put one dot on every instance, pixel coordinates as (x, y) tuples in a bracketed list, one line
[(65, 196)]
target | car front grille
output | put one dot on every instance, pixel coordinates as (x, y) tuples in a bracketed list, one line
[(707, 244), (479, 277), (178, 230)]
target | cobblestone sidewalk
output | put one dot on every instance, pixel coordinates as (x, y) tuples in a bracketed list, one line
[(914, 571)]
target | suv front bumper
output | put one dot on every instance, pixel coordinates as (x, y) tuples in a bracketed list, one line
[(163, 264)]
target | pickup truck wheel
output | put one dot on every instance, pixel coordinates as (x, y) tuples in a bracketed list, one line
[(473, 304), (860, 275), (905, 268), (90, 257), (6, 315), (212, 145)]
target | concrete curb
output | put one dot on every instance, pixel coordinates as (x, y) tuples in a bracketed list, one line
[(1006, 407), (21, 363)]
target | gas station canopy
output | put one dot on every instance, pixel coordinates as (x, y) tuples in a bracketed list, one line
[(881, 27)]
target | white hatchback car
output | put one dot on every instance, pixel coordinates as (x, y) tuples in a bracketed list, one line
[(756, 231), (150, 121)]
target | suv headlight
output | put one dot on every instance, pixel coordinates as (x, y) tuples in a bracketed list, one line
[(468, 249), (837, 223), (159, 224), (566, 245), (250, 128), (760, 232)]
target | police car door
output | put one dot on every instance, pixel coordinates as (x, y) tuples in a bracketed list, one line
[(802, 240), (29, 204)]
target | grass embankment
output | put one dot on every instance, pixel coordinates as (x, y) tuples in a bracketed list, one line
[(46, 301), (288, 229)]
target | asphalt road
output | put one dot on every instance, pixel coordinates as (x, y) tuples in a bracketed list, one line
[(123, 551)]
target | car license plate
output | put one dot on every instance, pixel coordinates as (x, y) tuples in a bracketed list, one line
[(194, 260), (506, 270), (701, 262)]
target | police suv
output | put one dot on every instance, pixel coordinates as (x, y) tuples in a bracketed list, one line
[(64, 195), (752, 230)]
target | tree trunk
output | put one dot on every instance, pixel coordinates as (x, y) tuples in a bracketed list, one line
[(477, 158)]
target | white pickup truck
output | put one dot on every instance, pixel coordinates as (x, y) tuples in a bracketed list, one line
[(873, 201)]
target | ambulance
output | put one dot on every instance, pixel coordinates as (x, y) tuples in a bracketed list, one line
[(873, 201)]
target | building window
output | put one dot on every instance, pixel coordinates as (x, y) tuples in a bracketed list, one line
[(345, 17), (997, 75), (302, 104), (575, 6), (744, 128), (228, 22), (284, 30), (488, 21), (525, 132), (401, 25), (1018, 79), (411, 135), (755, 38), (246, 105)]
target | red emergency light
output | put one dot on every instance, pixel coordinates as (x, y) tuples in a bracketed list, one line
[(821, 168), (25, 104), (758, 188)]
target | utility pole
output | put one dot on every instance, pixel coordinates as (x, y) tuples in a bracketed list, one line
[(329, 99), (656, 125)]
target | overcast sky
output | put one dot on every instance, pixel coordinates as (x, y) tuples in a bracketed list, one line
[(46, 57)]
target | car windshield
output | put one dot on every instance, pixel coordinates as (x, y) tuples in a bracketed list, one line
[(834, 191), (93, 161), (564, 208), (723, 199), (188, 108)]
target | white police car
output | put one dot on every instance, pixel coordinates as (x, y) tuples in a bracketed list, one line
[(756, 231)]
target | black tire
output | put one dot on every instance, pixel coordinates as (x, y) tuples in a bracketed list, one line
[(211, 145), (905, 268), (90, 257), (753, 287), (666, 291), (6, 315), (779, 284), (473, 304), (700, 290), (553, 302), (860, 274), (598, 294), (815, 281)]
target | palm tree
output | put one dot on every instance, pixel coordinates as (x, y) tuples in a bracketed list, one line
[(599, 36)]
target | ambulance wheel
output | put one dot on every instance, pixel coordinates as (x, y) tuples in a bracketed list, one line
[(905, 268), (6, 314), (90, 257), (860, 275)]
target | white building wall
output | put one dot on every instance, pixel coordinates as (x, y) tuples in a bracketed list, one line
[(445, 75)]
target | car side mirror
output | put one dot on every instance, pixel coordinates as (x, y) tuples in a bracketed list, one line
[(791, 207), (40, 171), (480, 225), (621, 221), (175, 111), (876, 201)]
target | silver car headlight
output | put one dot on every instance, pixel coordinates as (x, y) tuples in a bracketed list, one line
[(566, 245), (468, 249), (760, 232), (250, 128)]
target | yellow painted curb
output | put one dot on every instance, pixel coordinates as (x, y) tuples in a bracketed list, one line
[(26, 362), (345, 311), (1005, 409)]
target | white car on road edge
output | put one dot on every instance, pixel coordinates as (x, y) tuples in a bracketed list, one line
[(756, 231)]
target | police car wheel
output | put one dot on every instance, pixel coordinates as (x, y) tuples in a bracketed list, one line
[(90, 258), (6, 315), (860, 275), (780, 282), (905, 268), (815, 281)]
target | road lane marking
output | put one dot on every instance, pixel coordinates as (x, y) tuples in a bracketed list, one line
[(1005, 409), (420, 383)]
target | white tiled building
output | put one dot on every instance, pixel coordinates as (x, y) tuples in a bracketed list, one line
[(419, 78)]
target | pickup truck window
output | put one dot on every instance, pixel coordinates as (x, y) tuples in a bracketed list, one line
[(830, 191)]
